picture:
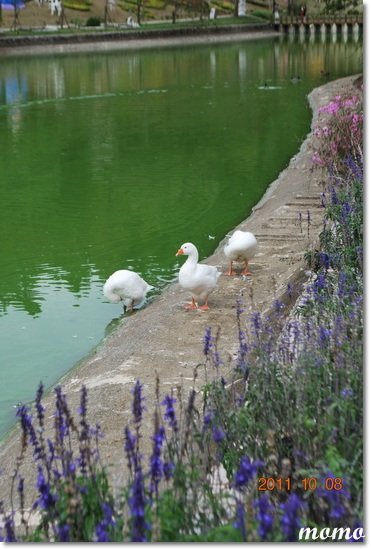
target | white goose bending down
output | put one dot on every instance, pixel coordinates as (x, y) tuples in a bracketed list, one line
[(200, 279), (241, 247), (126, 286)]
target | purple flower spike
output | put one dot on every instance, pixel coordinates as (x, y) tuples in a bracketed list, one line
[(39, 407), (169, 468), (157, 466), (137, 503), (218, 434), (138, 399), (246, 471), (240, 521), (290, 520), (207, 341), (264, 515), (46, 500), (102, 529), (170, 416)]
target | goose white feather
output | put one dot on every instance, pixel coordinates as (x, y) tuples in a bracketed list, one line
[(199, 279), (241, 247), (126, 286)]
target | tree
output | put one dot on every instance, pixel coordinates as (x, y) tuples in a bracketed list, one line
[(334, 6), (201, 7), (17, 4)]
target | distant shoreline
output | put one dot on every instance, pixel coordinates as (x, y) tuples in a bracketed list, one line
[(128, 40)]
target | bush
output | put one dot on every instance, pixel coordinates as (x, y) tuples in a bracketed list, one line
[(93, 22), (263, 14)]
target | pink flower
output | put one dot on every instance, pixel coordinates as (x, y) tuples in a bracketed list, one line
[(316, 159)]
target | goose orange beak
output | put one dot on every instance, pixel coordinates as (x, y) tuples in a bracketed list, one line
[(180, 252)]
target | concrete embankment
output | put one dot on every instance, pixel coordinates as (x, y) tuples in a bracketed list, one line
[(167, 339), (50, 43)]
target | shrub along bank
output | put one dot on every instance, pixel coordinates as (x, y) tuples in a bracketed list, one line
[(254, 459)]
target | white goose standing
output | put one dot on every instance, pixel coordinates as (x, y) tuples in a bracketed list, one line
[(241, 247), (200, 279), (128, 287)]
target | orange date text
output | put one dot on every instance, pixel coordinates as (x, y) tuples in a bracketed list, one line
[(307, 483)]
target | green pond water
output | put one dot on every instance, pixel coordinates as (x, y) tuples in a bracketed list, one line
[(111, 161)]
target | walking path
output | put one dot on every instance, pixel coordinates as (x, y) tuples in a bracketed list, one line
[(167, 339)]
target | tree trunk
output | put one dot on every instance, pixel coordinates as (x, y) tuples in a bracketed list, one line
[(139, 9), (235, 11)]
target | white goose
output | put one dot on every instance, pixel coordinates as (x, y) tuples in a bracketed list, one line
[(200, 279), (126, 286), (241, 247)]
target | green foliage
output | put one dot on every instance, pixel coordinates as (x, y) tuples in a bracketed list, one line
[(223, 5), (79, 6), (93, 22), (263, 14), (225, 533), (336, 6), (155, 4)]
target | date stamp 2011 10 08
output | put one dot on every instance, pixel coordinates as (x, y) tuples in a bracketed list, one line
[(307, 483)]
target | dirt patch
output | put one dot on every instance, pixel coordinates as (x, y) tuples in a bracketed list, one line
[(167, 339)]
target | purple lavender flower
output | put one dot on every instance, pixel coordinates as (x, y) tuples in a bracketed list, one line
[(246, 471), (334, 197), (264, 515), (320, 282), (342, 284), (208, 419), (324, 260), (241, 363), (156, 469), (40, 409), (9, 529), (239, 308), (240, 520), (102, 529), (207, 341), (347, 392), (290, 289), (323, 336), (356, 167), (256, 322), (23, 412), (46, 499), (168, 468), (83, 401), (84, 434), (130, 449), (137, 504), (335, 499), (290, 520), (278, 307), (51, 455), (138, 399), (170, 415), (61, 422), (346, 211), (63, 532), (218, 434)]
